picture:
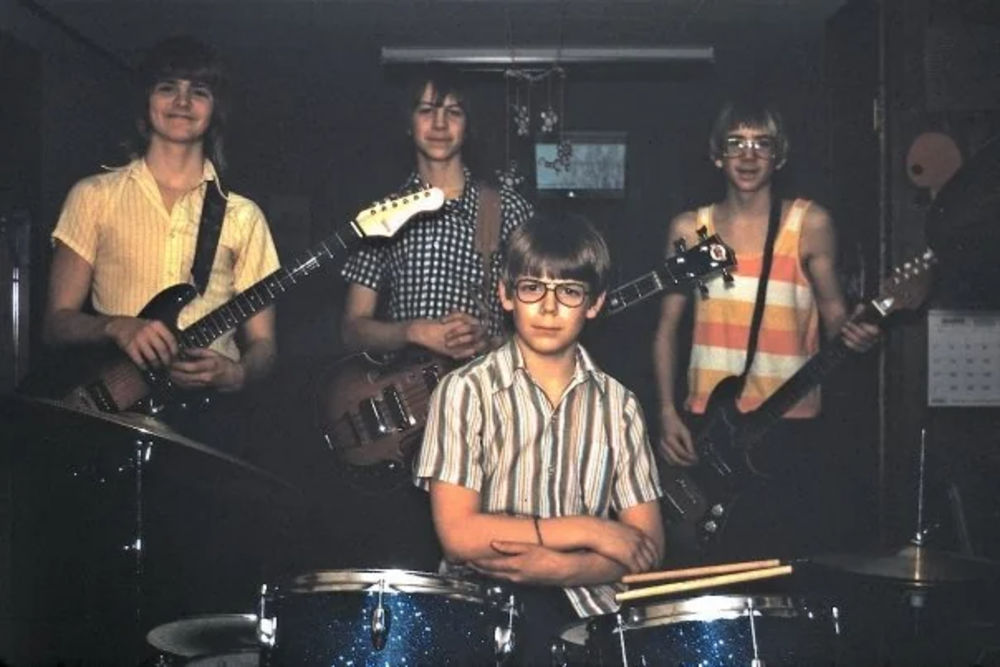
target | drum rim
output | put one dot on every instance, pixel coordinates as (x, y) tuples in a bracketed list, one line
[(698, 608), (397, 581)]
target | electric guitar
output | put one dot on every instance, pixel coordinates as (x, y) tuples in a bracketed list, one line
[(110, 382), (699, 500), (373, 413)]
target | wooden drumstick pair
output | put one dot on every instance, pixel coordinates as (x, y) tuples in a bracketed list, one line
[(696, 578)]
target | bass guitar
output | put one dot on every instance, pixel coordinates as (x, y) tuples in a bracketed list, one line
[(373, 413), (110, 382), (700, 500)]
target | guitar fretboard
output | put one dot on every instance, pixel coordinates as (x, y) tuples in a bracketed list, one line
[(631, 293), (263, 293)]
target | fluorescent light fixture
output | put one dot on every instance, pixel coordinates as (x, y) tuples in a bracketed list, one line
[(513, 57)]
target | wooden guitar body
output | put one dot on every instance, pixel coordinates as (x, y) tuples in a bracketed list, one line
[(371, 412)]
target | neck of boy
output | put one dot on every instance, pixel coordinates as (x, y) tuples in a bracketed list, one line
[(746, 207), (176, 169), (551, 371), (174, 166), (449, 176)]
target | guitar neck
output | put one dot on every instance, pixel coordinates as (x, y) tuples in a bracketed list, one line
[(794, 389), (689, 266), (641, 288), (263, 293)]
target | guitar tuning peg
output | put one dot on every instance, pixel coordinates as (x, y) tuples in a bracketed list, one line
[(702, 233), (727, 277), (703, 288), (680, 245)]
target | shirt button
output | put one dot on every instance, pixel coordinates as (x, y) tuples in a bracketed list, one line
[(552, 470)]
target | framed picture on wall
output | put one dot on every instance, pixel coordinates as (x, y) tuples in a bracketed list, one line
[(585, 164)]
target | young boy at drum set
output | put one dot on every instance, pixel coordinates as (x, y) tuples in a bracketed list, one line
[(538, 464)]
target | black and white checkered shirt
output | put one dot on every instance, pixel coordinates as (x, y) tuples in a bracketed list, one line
[(431, 267)]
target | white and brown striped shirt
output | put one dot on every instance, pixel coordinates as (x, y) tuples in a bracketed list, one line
[(492, 429)]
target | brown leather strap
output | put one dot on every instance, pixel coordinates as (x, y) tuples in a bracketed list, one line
[(488, 232)]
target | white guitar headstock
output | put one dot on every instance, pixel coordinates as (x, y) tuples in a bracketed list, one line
[(388, 217)]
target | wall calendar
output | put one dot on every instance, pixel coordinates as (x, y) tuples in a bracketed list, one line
[(963, 358)]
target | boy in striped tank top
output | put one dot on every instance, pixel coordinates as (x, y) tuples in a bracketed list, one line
[(804, 300)]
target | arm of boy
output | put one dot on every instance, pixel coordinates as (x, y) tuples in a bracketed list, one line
[(575, 549)]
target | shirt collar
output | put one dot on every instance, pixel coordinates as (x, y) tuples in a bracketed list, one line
[(510, 363), (139, 170)]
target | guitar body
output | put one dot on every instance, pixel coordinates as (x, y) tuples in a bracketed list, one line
[(699, 500), (373, 412), (112, 382)]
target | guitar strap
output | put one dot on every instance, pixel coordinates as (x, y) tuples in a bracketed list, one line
[(774, 221), (209, 228), (487, 233)]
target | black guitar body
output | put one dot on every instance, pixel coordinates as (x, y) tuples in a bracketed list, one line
[(113, 383), (699, 501)]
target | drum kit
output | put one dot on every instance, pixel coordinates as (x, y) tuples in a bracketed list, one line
[(398, 617), (891, 608)]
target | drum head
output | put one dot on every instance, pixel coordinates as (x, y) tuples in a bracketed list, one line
[(389, 581), (205, 635)]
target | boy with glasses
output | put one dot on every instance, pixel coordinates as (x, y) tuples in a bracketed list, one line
[(538, 464), (748, 145)]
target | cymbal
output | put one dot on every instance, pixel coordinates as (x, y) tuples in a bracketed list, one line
[(137, 424), (206, 635), (916, 565), (132, 424)]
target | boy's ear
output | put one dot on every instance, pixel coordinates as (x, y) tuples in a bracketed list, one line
[(506, 300), (595, 307)]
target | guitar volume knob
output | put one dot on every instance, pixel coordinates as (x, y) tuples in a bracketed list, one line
[(717, 510), (710, 526)]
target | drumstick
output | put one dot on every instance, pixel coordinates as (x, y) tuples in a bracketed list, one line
[(706, 582), (664, 575)]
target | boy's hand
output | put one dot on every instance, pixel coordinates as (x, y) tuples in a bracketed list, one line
[(676, 443), (627, 545), (456, 335)]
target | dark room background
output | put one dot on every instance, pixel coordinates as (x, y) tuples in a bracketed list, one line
[(318, 134)]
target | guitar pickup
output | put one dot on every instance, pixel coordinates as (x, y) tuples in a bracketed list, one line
[(432, 375), (374, 417), (387, 415), (401, 417)]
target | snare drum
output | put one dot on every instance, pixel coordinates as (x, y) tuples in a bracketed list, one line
[(383, 617), (708, 630)]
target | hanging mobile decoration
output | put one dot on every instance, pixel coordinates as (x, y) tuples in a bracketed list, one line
[(522, 112), (550, 122), (510, 178), (550, 119)]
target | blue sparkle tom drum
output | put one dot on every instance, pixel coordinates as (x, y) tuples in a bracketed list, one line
[(383, 617), (707, 630)]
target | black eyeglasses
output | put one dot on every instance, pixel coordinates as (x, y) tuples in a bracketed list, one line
[(531, 290), (741, 146)]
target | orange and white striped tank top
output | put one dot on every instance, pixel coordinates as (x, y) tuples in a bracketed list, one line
[(789, 331)]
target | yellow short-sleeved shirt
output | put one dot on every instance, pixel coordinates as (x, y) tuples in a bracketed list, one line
[(117, 222)]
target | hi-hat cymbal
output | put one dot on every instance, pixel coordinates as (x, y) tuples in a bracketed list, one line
[(206, 635), (916, 565)]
